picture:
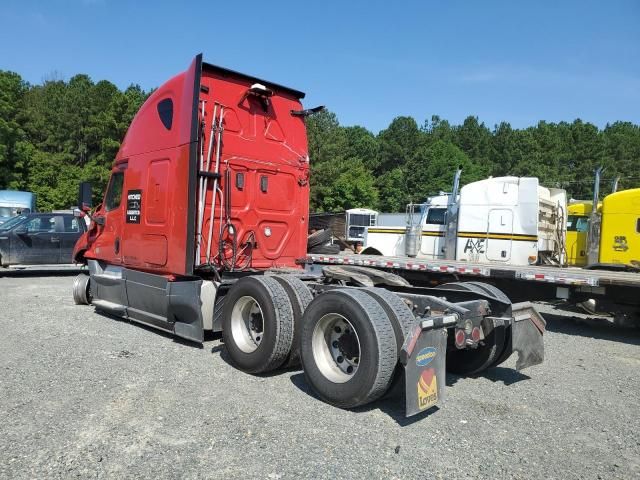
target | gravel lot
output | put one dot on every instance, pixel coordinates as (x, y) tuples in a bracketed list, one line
[(85, 395)]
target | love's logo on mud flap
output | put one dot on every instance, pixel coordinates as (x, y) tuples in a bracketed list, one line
[(425, 356), (427, 389)]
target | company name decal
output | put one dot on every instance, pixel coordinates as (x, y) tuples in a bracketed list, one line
[(134, 206), (425, 356), (620, 244), (427, 389)]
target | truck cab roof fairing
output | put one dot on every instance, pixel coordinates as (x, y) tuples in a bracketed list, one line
[(148, 131), (225, 72), (181, 90)]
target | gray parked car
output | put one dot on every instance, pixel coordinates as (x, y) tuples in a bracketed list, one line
[(39, 238)]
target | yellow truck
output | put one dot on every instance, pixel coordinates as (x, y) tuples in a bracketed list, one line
[(608, 238), (620, 229), (578, 214), (614, 238)]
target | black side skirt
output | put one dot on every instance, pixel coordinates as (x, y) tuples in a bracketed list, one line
[(150, 299)]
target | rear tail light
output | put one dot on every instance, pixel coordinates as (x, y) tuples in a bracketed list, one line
[(475, 334), (460, 338)]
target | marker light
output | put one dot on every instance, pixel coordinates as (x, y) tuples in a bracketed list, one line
[(468, 325)]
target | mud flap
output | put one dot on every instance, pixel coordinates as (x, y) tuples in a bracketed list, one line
[(183, 309), (423, 358), (527, 330)]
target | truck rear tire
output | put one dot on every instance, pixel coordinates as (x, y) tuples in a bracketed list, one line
[(491, 290), (348, 347), (82, 290), (300, 298), (398, 312), (474, 361), (257, 324), (370, 251), (318, 238), (330, 249)]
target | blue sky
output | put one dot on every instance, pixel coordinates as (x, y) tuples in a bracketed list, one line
[(368, 61)]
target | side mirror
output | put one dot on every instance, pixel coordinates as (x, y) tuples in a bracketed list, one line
[(21, 230), (84, 196)]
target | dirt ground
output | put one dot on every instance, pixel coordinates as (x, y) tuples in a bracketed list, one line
[(85, 395)]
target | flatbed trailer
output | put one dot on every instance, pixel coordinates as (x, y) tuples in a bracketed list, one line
[(616, 292)]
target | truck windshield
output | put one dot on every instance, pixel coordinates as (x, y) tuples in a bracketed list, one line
[(577, 223), (436, 216), (12, 222), (114, 191), (7, 211), (362, 219)]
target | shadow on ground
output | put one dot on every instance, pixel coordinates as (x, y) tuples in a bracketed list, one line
[(507, 376), (156, 331), (393, 403), (591, 327), (35, 272)]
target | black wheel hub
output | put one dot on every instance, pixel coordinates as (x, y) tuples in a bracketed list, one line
[(256, 322), (348, 344)]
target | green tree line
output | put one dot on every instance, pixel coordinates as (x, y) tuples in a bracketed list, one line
[(352, 167), (54, 135)]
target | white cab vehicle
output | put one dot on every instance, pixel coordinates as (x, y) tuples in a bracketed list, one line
[(511, 220), (357, 220), (390, 240), (507, 220)]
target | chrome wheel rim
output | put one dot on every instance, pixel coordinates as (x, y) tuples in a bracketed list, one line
[(247, 324), (336, 348)]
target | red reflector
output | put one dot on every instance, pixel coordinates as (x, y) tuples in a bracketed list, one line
[(414, 338), (475, 334), (460, 338)]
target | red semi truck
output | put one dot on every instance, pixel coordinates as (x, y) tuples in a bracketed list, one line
[(203, 227)]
